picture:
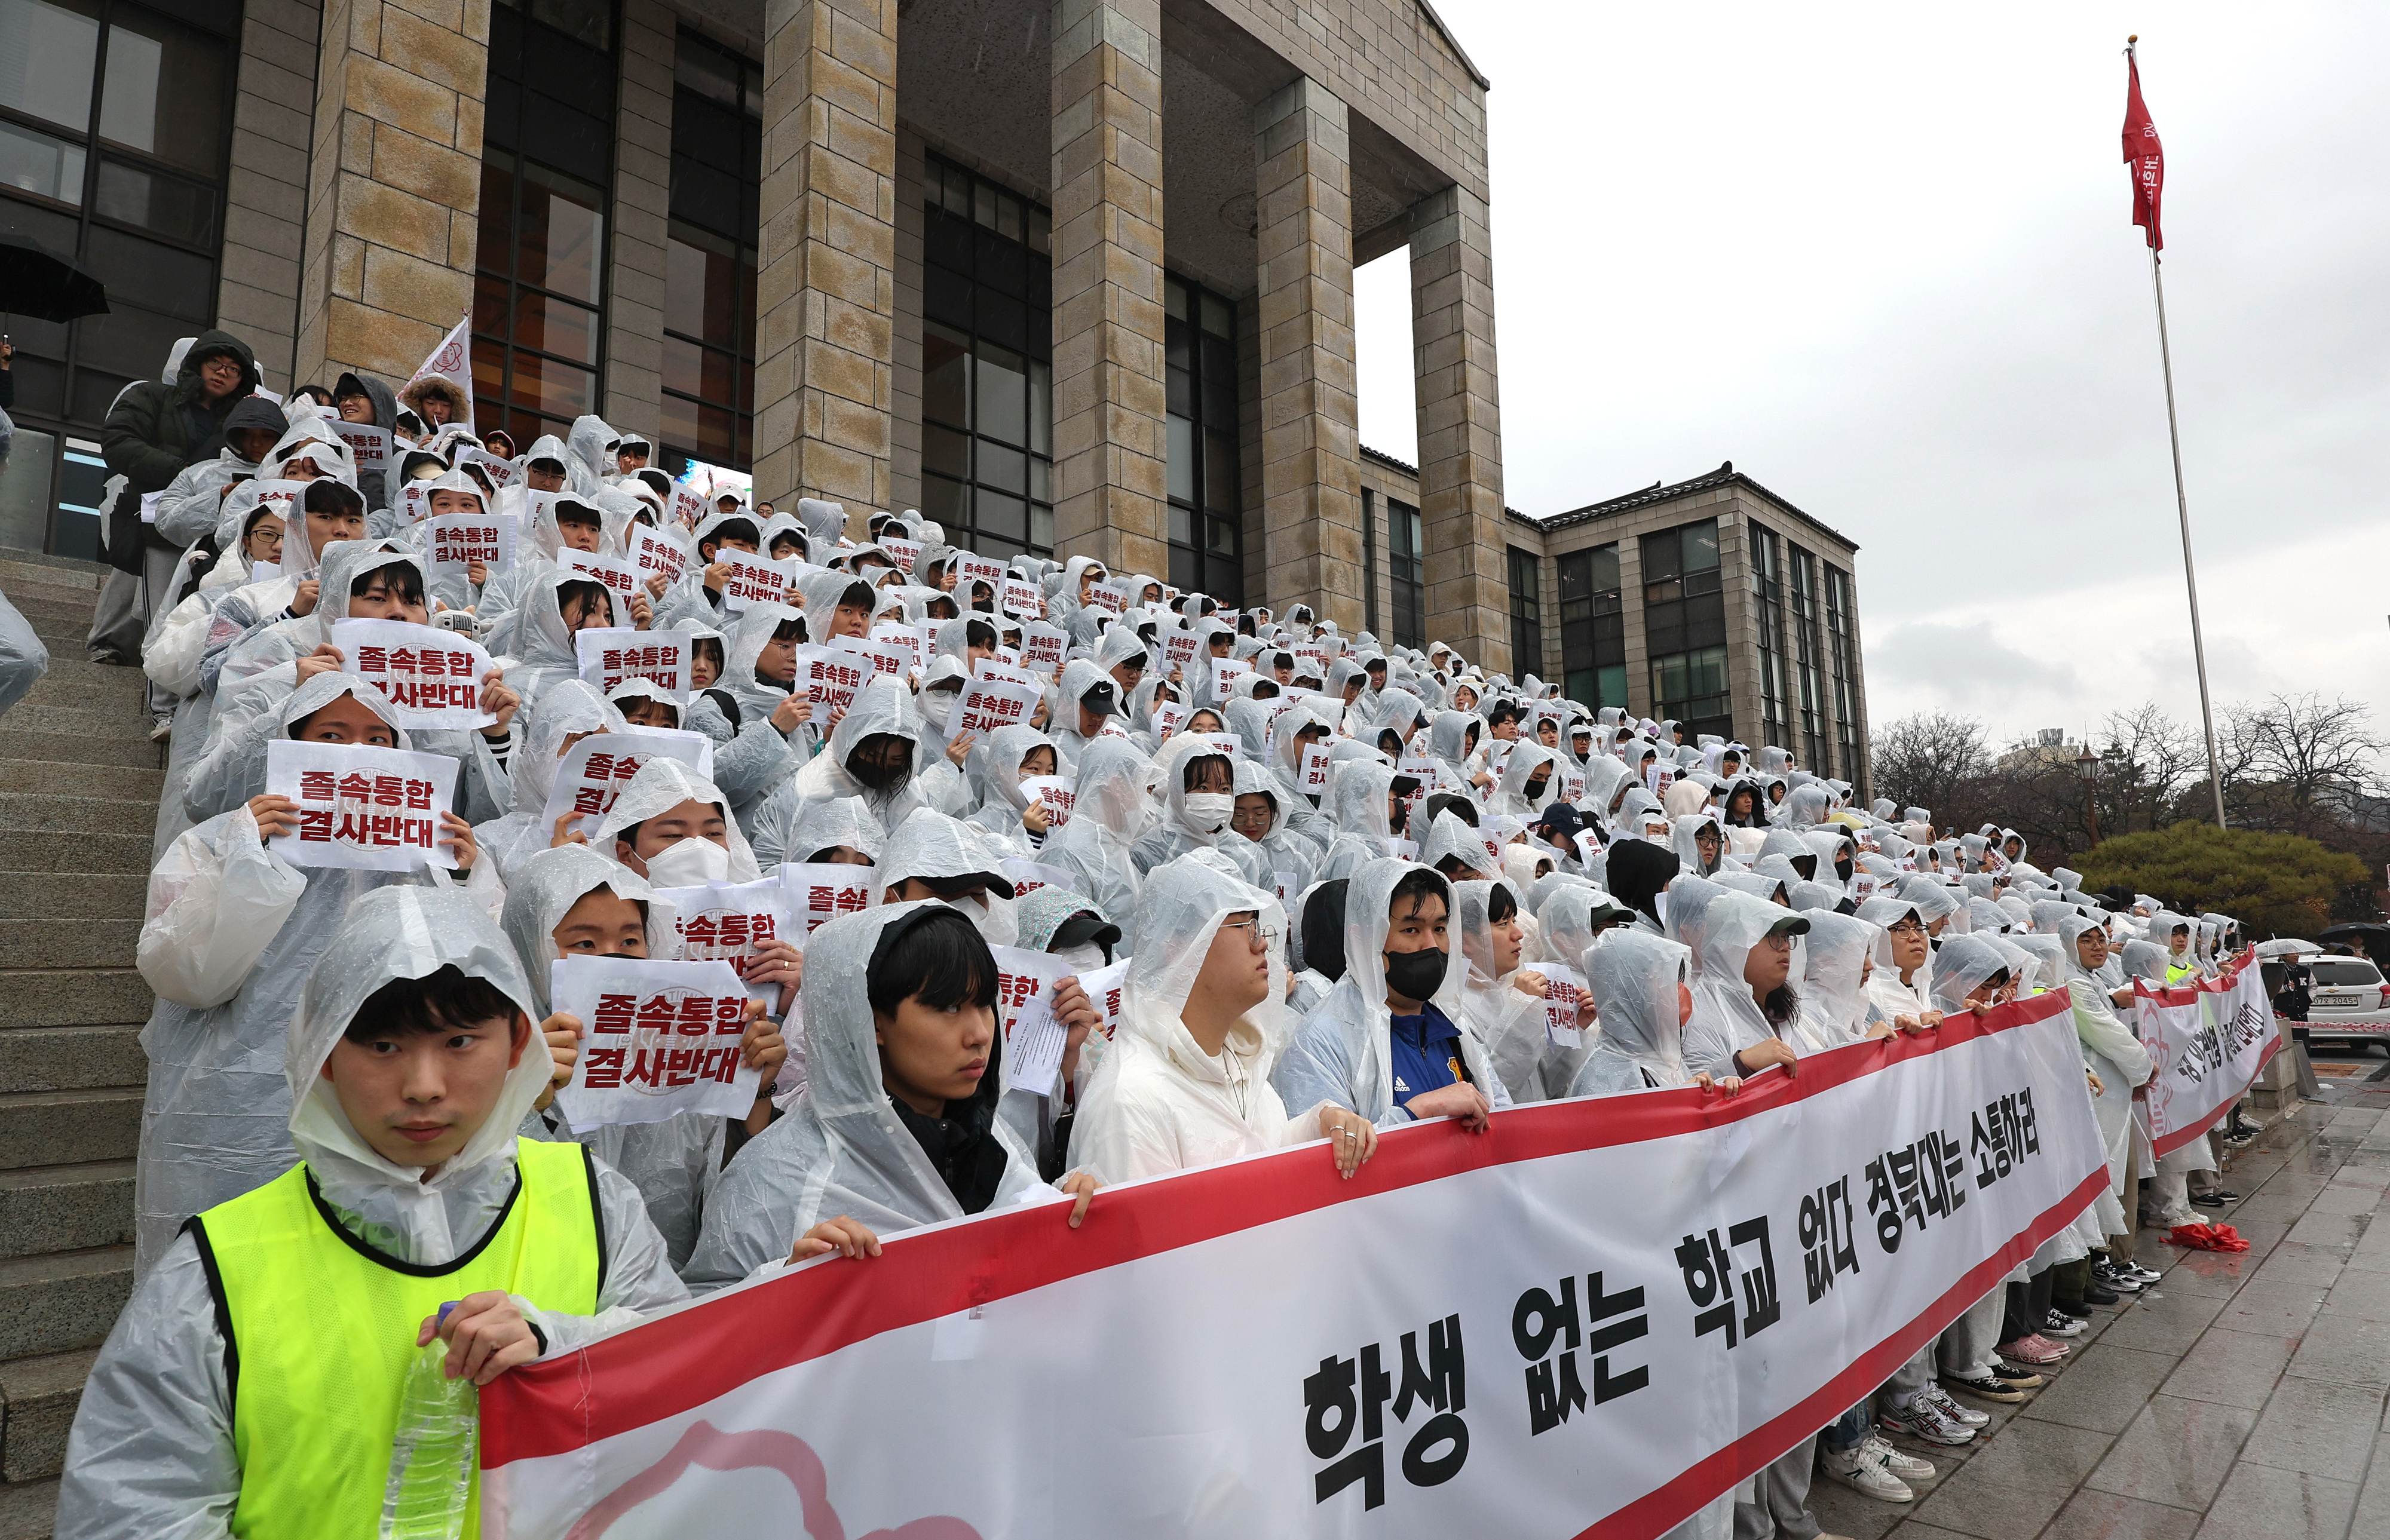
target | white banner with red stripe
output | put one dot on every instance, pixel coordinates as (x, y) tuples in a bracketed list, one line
[(2208, 1042), (1590, 1320)]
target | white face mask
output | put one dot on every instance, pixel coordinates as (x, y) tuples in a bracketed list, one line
[(1086, 957), (689, 864), (993, 918), (1208, 812)]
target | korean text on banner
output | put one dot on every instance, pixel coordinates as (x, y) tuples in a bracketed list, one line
[(1022, 600), (883, 660), (368, 444), (452, 540), (1609, 1369), (905, 638), (1027, 877), (980, 569), (663, 1037), (433, 677), (831, 678), (1314, 769), (654, 552), (1060, 793), (360, 807), (595, 770), (900, 551), (610, 654), (996, 668), (818, 891), (1225, 672), (2209, 1044), (1563, 988), (751, 580), (1042, 647), (722, 922), (986, 704), (621, 578)]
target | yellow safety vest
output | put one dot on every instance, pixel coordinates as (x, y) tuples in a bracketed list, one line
[(319, 1330)]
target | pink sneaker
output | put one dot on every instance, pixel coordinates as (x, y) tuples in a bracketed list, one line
[(2036, 1349)]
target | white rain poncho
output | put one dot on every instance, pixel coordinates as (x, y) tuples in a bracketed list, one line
[(841, 1150), (1511, 796), (1114, 807), (1727, 1019), (882, 708), (1278, 860), (932, 846), (1634, 978), (1448, 839), (1684, 839), (152, 1450), (1002, 802), (1079, 676), (500, 605), (570, 709), (23, 659), (226, 944), (1890, 997), (1356, 797), (1834, 1008), (1156, 1102), (823, 827), (541, 645), (1180, 830), (1304, 820), (1690, 900), (1505, 1019), (671, 1162), (661, 786), (1962, 967), (1344, 1052), (2113, 1054), (255, 673)]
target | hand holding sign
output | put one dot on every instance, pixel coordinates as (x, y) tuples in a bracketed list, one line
[(659, 1038), (434, 678), (363, 808)]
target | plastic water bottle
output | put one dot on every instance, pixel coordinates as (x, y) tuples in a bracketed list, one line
[(431, 1458)]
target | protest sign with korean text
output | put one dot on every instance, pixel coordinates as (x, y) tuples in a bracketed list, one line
[(1042, 647), (996, 668), (751, 580), (983, 705), (594, 771), (978, 569), (654, 553), (451, 541), (1314, 769), (1225, 672), (433, 677), (662, 1038), (1060, 793), (687, 506), (907, 640), (885, 661), (610, 654), (831, 678), (368, 444), (1686, 1287), (818, 891), (1178, 649), (900, 551), (360, 807), (1168, 716), (1022, 599), (1027, 877), (621, 578)]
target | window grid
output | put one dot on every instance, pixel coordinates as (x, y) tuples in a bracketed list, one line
[(1808, 647), (1768, 584), (987, 378), (1526, 614), (1684, 628), (1406, 566), (1838, 634), (1593, 628), (1206, 491), (710, 258), (1369, 561)]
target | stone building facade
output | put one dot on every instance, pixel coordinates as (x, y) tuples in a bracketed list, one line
[(1071, 276)]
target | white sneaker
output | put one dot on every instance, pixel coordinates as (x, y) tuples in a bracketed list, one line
[(1909, 1468), (1864, 1468), (160, 728), (1922, 1419), (1951, 1408)]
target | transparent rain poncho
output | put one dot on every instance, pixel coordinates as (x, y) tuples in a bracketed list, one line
[(1508, 1020), (1511, 796), (152, 1450), (1449, 838), (841, 1150), (1960, 967), (1002, 802), (1834, 1008), (882, 708), (1156, 1102), (671, 1162), (820, 827), (1179, 831), (1686, 842), (1114, 809), (1634, 978), (571, 708), (1357, 800), (1727, 1019), (661, 786), (1278, 858), (1892, 998), (1344, 1052), (2113, 1053)]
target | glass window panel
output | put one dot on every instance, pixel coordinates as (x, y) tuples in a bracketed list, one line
[(1220, 487), (1040, 236), (164, 93), (1041, 406), (685, 295), (1219, 317), (1005, 468), (1174, 300), (679, 418), (717, 434), (555, 326), (489, 372), (490, 304), (1003, 396), (744, 343), (1008, 217), (1224, 537), (144, 271), (1182, 459), (48, 57), (1040, 472), (1182, 530), (945, 375), (96, 391), (37, 163), (25, 491), (1041, 528), (984, 206), (1002, 319), (1186, 569), (942, 503), (683, 368), (1177, 344), (1701, 546), (1001, 514), (557, 389), (1180, 392), (563, 239), (945, 451), (494, 240)]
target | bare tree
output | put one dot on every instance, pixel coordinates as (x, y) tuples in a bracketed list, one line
[(1928, 760), (2160, 762), (2299, 764)]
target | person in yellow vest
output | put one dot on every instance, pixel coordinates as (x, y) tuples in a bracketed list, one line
[(253, 1385)]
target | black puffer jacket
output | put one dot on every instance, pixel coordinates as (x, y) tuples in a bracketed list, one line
[(155, 430), (373, 483)]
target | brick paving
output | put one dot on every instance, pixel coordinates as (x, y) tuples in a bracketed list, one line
[(2240, 1398)]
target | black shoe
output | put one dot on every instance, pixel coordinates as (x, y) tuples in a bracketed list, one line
[(2208, 1200), (2076, 1308), (2094, 1294)]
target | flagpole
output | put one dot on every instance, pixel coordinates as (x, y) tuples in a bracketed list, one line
[(2182, 513)]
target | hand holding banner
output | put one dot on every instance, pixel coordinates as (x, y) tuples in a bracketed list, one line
[(433, 677), (360, 807), (594, 771), (662, 1038)]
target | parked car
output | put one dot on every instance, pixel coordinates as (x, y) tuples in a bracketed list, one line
[(2349, 1003)]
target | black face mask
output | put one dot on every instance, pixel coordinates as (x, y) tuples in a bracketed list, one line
[(877, 777), (1415, 975), (1536, 789)]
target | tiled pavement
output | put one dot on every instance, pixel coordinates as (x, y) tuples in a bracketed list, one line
[(2241, 1398)]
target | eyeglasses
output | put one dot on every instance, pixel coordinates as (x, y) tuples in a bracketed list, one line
[(1258, 937), (1907, 928)]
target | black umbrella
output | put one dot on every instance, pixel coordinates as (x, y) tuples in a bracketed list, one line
[(41, 285)]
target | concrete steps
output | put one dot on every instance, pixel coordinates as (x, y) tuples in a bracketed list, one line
[(79, 787)]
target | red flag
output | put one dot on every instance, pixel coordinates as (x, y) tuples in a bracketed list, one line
[(2144, 154)]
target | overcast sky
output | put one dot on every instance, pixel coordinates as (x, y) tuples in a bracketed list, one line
[(1881, 259)]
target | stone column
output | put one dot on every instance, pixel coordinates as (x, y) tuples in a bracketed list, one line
[(825, 294), (395, 184), (1459, 426), (265, 186), (1112, 440), (1311, 475), (635, 277)]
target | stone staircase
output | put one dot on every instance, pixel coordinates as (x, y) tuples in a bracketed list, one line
[(79, 787)]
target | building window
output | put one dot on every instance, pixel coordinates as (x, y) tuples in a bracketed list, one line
[(1593, 628), (114, 124), (539, 258), (709, 352), (1206, 502), (1526, 614), (1406, 574), (1684, 629), (1767, 586), (1808, 673), (987, 372), (1838, 636), (1369, 561)]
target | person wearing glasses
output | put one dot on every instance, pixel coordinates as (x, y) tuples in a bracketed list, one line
[(1186, 1081), (1904, 971)]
